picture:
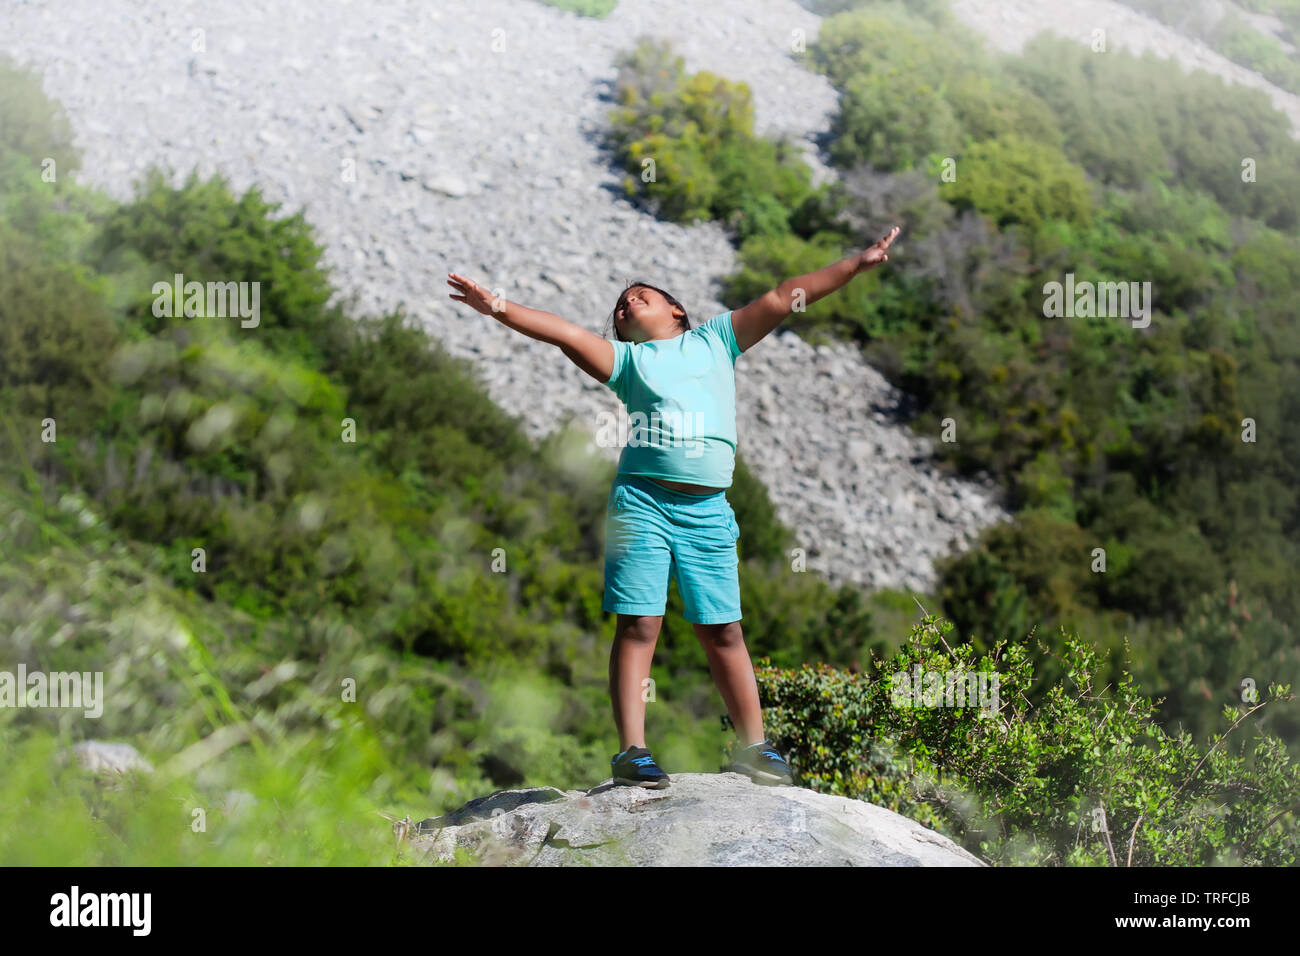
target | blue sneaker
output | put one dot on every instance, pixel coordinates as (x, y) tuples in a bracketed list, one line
[(762, 764), (635, 767)]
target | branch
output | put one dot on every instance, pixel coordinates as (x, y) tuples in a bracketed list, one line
[(1200, 763), (1136, 823), (1195, 771), (1105, 830), (1279, 816)]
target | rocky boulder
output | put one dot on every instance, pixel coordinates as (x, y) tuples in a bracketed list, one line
[(703, 819)]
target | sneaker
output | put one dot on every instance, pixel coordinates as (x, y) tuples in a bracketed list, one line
[(635, 767), (762, 764)]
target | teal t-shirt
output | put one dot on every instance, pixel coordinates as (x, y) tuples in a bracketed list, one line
[(680, 395)]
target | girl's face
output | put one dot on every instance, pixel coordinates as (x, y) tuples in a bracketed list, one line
[(645, 315)]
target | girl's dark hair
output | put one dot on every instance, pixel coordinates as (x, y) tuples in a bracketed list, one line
[(684, 318)]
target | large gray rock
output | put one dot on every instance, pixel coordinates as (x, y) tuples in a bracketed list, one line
[(703, 819)]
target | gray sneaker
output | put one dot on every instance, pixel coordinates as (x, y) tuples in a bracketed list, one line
[(635, 767), (762, 764)]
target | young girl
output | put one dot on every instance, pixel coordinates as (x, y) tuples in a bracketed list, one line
[(667, 514)]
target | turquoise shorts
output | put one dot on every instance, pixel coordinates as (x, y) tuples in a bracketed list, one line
[(653, 533)]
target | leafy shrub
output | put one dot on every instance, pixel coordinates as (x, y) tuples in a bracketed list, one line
[(892, 120), (769, 260), (56, 334), (1016, 180), (1084, 778), (892, 70), (36, 128), (1136, 120), (991, 104), (698, 132), (1232, 36), (585, 8)]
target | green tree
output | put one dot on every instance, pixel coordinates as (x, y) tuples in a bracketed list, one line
[(1017, 180)]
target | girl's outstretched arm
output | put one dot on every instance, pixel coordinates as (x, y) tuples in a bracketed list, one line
[(765, 313), (590, 352)]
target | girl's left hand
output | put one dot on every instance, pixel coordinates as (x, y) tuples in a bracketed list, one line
[(872, 256)]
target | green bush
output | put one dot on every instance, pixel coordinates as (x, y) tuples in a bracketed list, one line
[(893, 120), (36, 129), (993, 105), (890, 37), (1016, 180), (585, 8), (688, 145), (204, 233), (56, 334), (1086, 777), (893, 70), (1232, 36), (1208, 660), (1135, 120), (769, 260)]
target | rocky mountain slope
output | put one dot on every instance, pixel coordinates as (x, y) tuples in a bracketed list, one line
[(1007, 24), (422, 138)]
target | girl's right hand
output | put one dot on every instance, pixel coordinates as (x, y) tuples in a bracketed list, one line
[(474, 295)]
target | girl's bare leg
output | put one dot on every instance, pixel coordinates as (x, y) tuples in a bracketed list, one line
[(635, 637), (733, 673)]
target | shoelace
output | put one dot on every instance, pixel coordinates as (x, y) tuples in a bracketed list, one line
[(642, 761), (770, 753)]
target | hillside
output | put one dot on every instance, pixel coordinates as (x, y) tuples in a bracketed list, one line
[(488, 163), (343, 566)]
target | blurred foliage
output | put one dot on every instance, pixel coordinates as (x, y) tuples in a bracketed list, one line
[(1136, 120), (1288, 11), (935, 11), (35, 129), (910, 91), (585, 8), (55, 337), (1231, 35)]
